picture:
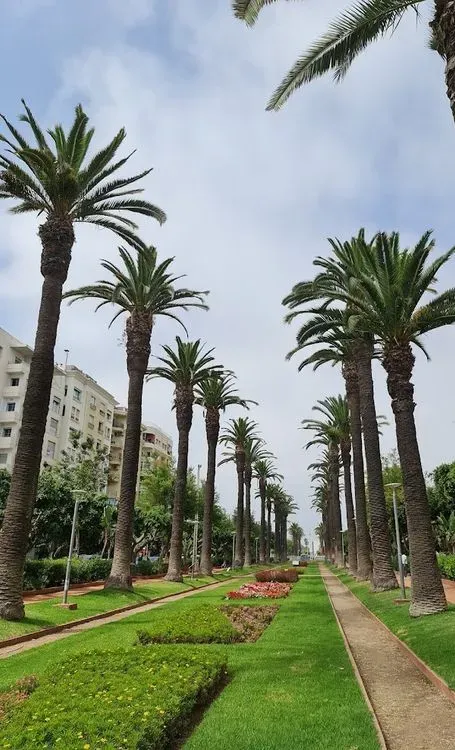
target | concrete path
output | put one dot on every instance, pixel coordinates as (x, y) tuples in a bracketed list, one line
[(20, 647), (413, 713)]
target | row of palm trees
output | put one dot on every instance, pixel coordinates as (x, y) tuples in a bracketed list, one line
[(54, 177), (366, 302)]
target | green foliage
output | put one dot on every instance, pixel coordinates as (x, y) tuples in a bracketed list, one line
[(5, 482), (147, 568), (48, 573), (137, 698), (447, 566), (193, 623)]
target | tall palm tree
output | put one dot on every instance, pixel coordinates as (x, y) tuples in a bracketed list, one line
[(284, 505), (54, 178), (362, 23), (296, 533), (264, 471), (254, 451), (390, 285), (142, 289), (336, 348), (186, 366), (333, 284), (236, 436), (214, 394)]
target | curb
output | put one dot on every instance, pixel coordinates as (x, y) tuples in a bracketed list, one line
[(358, 676), (102, 615), (427, 671)]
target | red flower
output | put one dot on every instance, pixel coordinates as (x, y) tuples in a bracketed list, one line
[(270, 590)]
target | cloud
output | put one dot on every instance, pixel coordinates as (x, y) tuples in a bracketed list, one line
[(251, 197)]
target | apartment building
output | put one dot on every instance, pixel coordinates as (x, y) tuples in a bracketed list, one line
[(155, 444), (77, 404)]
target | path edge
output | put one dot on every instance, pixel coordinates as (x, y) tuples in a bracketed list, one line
[(422, 666), (358, 676)]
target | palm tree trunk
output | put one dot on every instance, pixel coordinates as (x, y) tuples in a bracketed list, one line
[(57, 239), (212, 429), (444, 33), (335, 509), (268, 540), (138, 333), (383, 574), (277, 548), (240, 465), (247, 517), (352, 541), (284, 538), (363, 541), (184, 414), (262, 528), (427, 590)]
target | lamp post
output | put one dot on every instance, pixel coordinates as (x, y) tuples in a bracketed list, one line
[(394, 486), (66, 586)]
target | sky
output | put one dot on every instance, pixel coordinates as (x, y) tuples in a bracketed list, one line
[(251, 196)]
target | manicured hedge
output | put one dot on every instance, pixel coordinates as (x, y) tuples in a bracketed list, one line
[(47, 573), (202, 623), (283, 575), (133, 699), (447, 566)]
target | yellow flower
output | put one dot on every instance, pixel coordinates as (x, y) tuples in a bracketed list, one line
[(86, 746)]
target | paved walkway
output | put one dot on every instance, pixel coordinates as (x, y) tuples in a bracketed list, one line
[(413, 713), (19, 647)]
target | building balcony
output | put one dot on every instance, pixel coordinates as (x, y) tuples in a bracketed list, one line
[(115, 460), (9, 417), (16, 367), (6, 442), (11, 391)]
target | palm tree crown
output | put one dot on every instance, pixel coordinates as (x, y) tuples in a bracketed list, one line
[(218, 392), (186, 366), (54, 178)]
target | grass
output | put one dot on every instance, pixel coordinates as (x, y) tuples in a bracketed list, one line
[(431, 637), (192, 622), (121, 699), (46, 614), (293, 688)]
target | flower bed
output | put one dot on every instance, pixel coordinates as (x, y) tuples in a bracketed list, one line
[(266, 590), (123, 699)]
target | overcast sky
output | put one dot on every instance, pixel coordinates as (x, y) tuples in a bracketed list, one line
[(251, 196)]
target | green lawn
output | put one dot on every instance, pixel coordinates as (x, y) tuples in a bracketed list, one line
[(431, 637), (45, 614)]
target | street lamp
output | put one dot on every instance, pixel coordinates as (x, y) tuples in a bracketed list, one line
[(394, 486), (66, 586)]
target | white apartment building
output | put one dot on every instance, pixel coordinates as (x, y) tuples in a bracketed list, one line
[(155, 444), (78, 404)]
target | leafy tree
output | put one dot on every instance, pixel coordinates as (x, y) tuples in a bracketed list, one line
[(53, 178), (157, 486), (186, 366), (361, 24), (142, 289)]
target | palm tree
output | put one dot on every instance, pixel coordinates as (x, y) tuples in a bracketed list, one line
[(54, 178), (143, 289), (296, 533), (333, 284), (361, 24), (283, 506), (185, 367), (390, 285), (236, 435), (214, 394), (337, 349), (264, 471), (254, 451)]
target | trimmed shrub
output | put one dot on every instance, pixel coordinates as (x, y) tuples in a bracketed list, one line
[(147, 568), (203, 623), (283, 575), (447, 566), (47, 573), (131, 699)]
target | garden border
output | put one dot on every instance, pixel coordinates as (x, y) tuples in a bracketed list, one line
[(358, 676), (426, 670)]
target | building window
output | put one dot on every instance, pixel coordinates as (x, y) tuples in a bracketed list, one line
[(75, 414), (11, 406), (91, 426), (100, 426), (56, 405), (3, 458), (77, 394), (148, 437), (6, 432), (17, 361), (14, 382), (63, 410), (53, 426), (50, 450), (66, 390), (98, 445), (92, 402), (109, 416), (107, 432)]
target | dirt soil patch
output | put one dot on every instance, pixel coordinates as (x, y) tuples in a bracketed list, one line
[(250, 622)]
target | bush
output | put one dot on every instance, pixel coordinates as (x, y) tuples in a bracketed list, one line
[(47, 573), (147, 568), (447, 566), (203, 623), (132, 699), (283, 575)]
